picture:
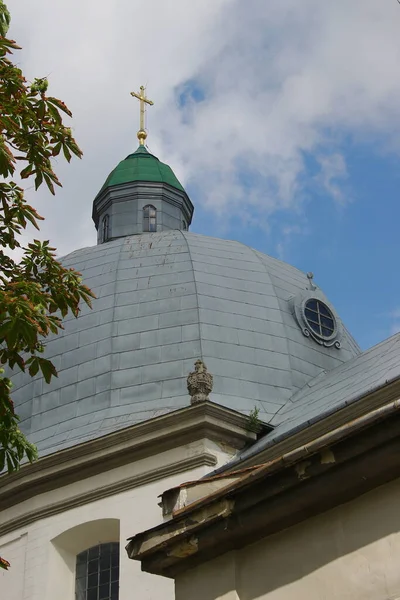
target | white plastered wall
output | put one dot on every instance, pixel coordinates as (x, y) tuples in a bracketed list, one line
[(349, 553), (43, 554)]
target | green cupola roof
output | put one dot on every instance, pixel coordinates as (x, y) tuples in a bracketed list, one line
[(142, 166)]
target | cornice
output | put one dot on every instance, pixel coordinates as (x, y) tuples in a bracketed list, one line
[(204, 459), (205, 420), (334, 469)]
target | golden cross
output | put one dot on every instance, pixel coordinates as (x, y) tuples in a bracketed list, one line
[(142, 135)]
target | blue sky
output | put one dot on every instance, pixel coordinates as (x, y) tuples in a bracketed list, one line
[(353, 248), (282, 119)]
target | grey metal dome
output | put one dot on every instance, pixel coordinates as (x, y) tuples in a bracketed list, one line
[(163, 300)]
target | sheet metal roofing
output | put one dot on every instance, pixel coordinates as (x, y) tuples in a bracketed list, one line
[(164, 300), (142, 166), (329, 392)]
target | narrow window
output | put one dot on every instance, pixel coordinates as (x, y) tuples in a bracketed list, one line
[(97, 573), (105, 228), (149, 218), (184, 226)]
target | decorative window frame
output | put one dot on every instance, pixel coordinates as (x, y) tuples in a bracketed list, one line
[(298, 305)]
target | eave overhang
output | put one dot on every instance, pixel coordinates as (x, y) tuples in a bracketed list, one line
[(334, 468), (195, 422)]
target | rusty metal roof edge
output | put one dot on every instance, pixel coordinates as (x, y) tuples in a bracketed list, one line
[(259, 447)]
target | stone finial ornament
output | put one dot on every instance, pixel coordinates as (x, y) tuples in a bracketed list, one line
[(311, 284), (199, 383)]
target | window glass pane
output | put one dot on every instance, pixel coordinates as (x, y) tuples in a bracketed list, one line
[(105, 549), (81, 559), (81, 569), (115, 558), (93, 580), (314, 326), (312, 304), (81, 589), (105, 562), (97, 584), (114, 590), (326, 332), (93, 552), (105, 576), (311, 315), (324, 310), (327, 322), (104, 592), (92, 594), (93, 566)]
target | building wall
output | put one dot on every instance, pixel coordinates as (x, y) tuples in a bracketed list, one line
[(350, 553), (43, 553)]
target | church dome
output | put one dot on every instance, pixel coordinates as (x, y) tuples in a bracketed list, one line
[(164, 300), (142, 166)]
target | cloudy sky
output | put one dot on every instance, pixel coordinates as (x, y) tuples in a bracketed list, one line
[(281, 118)]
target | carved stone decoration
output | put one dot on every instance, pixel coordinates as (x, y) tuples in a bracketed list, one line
[(199, 383)]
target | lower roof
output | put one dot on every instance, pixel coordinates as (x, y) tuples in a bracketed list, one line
[(329, 392)]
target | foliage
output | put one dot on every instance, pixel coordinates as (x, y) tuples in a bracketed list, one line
[(253, 422), (37, 292), (4, 19)]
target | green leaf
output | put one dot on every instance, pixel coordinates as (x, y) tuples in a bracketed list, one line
[(57, 149), (67, 153), (38, 292), (47, 368), (33, 368), (38, 179)]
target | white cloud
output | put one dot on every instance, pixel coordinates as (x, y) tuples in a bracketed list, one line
[(395, 328), (333, 172), (394, 316), (280, 78)]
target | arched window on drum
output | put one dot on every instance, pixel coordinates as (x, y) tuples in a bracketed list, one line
[(105, 228), (149, 218)]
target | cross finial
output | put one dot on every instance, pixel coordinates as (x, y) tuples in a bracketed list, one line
[(141, 96)]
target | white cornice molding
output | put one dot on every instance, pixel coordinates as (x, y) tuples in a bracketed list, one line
[(104, 491), (201, 421)]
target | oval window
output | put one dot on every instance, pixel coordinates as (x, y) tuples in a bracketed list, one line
[(319, 318)]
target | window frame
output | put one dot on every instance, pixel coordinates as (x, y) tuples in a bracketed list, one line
[(98, 565), (318, 322), (149, 220), (105, 228)]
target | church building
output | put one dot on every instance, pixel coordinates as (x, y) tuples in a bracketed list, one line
[(212, 419)]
